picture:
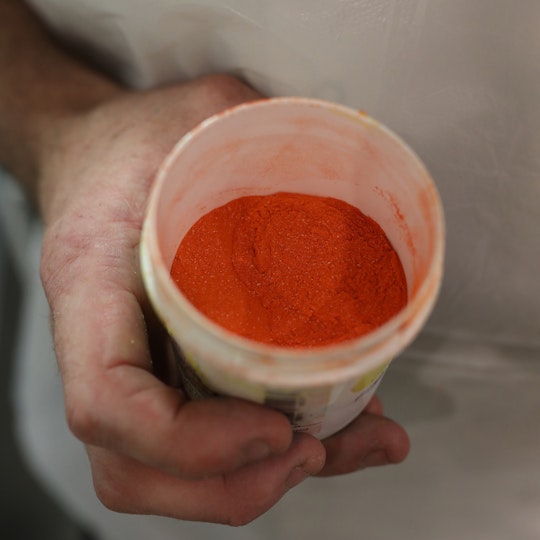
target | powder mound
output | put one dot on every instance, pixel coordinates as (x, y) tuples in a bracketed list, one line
[(291, 270)]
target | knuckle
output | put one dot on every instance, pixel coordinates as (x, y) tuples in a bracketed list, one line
[(245, 505), (240, 518), (113, 495), (117, 482), (108, 496), (223, 91), (81, 416)]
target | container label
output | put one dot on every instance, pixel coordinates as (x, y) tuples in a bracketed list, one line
[(320, 411)]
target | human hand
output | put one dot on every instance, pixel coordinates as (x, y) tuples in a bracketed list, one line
[(152, 451)]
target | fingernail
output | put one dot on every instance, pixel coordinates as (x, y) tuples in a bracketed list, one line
[(296, 476), (374, 459), (256, 450)]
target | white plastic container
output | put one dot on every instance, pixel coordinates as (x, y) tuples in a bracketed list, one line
[(305, 146)]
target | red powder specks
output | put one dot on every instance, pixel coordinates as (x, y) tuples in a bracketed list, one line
[(291, 270)]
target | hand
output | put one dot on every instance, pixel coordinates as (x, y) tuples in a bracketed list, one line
[(151, 451), (371, 440)]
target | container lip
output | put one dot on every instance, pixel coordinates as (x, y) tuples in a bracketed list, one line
[(259, 361)]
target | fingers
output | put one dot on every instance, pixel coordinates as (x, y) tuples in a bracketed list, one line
[(113, 400), (371, 440), (221, 460), (124, 485), (375, 406), (112, 397)]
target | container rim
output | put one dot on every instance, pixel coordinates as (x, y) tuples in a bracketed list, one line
[(284, 366)]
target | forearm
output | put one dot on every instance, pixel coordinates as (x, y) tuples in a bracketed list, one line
[(40, 86)]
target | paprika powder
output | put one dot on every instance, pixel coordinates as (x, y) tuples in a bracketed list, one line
[(291, 270)]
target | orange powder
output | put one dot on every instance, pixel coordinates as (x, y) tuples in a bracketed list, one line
[(291, 270)]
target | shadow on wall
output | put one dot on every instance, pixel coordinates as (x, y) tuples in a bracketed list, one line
[(410, 399)]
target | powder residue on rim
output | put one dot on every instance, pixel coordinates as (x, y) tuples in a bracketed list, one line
[(291, 270)]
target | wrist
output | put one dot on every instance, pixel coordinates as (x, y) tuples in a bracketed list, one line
[(42, 87)]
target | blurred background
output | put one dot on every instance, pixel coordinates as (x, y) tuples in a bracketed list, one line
[(471, 410), (26, 511)]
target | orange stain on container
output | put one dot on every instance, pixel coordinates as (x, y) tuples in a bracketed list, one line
[(291, 270)]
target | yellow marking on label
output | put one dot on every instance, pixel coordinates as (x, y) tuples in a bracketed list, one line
[(369, 378)]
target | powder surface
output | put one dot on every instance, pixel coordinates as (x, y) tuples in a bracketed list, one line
[(291, 270)]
